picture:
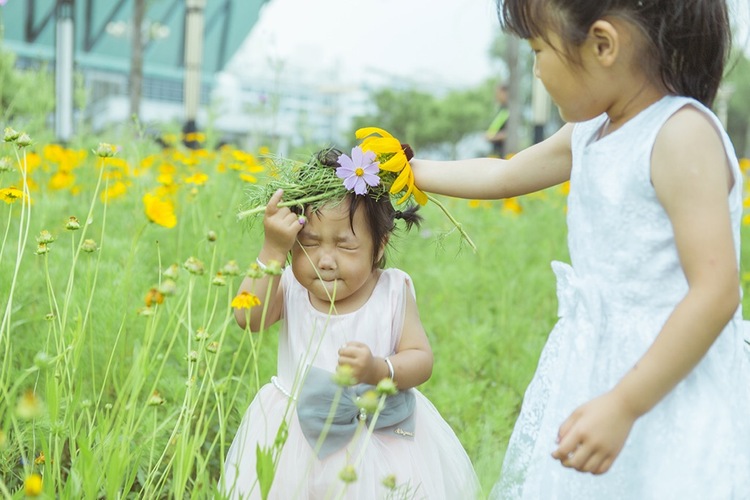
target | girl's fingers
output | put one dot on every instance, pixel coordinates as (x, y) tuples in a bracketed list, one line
[(604, 466)]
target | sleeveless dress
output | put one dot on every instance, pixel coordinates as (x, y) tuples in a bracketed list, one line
[(624, 281), (427, 461)]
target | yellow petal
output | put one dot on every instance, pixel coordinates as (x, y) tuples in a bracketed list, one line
[(396, 163), (401, 181), (420, 196), (365, 131), (380, 145)]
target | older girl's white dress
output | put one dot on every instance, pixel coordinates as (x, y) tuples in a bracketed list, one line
[(624, 281), (425, 460)]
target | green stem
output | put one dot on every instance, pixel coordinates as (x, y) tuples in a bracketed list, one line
[(301, 201), (453, 220)]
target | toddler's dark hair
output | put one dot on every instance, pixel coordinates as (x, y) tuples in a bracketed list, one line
[(379, 211), (689, 41)]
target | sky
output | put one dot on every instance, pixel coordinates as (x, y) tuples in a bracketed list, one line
[(376, 40)]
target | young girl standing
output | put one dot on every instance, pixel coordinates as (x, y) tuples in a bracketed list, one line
[(644, 382), (339, 307)]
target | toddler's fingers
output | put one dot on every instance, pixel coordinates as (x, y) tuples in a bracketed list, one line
[(272, 206)]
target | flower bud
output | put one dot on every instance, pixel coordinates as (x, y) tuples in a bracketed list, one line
[(23, 140), (219, 280), (89, 246), (231, 268), (73, 224), (348, 474), (45, 237), (194, 266), (369, 402), (11, 134), (155, 399), (387, 387), (389, 481), (201, 334), (344, 376), (105, 150)]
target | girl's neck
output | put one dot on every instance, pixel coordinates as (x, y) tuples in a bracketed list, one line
[(623, 110)]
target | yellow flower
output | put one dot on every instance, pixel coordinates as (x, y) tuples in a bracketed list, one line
[(512, 205), (390, 147), (154, 296), (159, 211), (40, 459), (10, 194), (29, 406), (116, 190), (198, 178), (62, 179), (745, 164), (245, 300), (248, 178), (32, 485)]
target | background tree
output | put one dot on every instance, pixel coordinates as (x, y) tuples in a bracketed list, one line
[(738, 115), (427, 121)]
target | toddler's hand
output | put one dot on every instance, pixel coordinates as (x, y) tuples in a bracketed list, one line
[(592, 437), (281, 225), (359, 357)]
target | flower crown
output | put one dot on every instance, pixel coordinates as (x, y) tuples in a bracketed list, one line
[(378, 166)]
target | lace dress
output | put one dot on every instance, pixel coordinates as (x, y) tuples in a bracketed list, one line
[(426, 458), (624, 281)]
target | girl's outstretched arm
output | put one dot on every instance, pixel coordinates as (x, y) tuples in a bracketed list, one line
[(412, 363), (690, 174), (281, 227), (537, 167)]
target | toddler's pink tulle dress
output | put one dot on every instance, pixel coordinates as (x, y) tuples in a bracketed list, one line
[(422, 453)]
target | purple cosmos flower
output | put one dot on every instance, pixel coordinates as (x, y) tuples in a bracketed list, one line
[(359, 171)]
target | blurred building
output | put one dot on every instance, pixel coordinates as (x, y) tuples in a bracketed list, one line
[(102, 32)]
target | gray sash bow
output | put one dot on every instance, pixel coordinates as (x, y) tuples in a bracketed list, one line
[(316, 398)]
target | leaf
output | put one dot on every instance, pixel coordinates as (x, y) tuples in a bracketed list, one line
[(265, 470)]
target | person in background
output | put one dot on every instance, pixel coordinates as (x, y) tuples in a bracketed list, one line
[(496, 132)]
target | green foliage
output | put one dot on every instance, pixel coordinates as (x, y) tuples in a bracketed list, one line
[(26, 96), (738, 115), (424, 120)]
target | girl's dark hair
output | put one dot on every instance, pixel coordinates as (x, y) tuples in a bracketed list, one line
[(689, 41), (378, 210)]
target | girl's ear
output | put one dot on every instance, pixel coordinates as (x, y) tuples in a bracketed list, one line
[(605, 42)]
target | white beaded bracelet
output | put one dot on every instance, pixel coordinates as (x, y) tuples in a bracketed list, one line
[(391, 373), (261, 265)]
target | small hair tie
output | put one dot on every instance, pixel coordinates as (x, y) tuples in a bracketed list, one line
[(398, 214)]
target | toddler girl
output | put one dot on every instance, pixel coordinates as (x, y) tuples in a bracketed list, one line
[(340, 307)]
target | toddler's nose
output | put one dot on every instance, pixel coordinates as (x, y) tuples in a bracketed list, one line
[(326, 261)]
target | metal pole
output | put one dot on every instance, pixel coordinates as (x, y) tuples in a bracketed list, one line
[(64, 71), (194, 20)]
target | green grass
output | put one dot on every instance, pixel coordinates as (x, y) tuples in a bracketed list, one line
[(94, 366)]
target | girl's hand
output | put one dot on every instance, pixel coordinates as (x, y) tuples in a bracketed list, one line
[(592, 437), (281, 226), (360, 358)]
